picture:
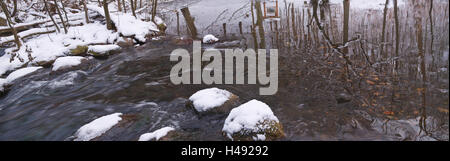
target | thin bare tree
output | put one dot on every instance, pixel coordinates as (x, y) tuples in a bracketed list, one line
[(60, 16), (8, 19), (133, 8), (109, 24), (86, 12), (155, 5), (51, 17)]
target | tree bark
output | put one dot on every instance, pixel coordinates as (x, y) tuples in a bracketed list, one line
[(109, 24), (60, 16), (86, 12), (8, 19), (119, 6), (124, 6), (346, 19), (155, 4), (397, 34), (189, 21), (15, 8), (65, 13), (51, 17), (133, 9), (383, 39)]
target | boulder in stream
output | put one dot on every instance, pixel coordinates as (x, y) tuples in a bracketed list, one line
[(63, 63), (102, 50), (213, 100), (253, 120)]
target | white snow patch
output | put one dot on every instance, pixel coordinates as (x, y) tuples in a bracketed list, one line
[(259, 137), (127, 24), (208, 39), (102, 49), (51, 46), (20, 73), (97, 127), (248, 117), (209, 98), (66, 62), (156, 134)]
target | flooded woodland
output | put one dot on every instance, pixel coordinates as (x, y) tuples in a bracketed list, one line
[(346, 71)]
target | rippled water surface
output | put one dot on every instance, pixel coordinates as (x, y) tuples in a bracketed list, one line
[(396, 90)]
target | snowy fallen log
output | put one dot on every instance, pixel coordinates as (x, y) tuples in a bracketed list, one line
[(25, 34)]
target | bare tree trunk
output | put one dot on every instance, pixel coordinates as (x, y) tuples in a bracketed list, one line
[(109, 24), (15, 8), (51, 17), (8, 19), (124, 6), (155, 4), (190, 22), (397, 34), (430, 13), (119, 6), (259, 22), (133, 9), (346, 19), (60, 16), (383, 39), (65, 13), (293, 22), (86, 13)]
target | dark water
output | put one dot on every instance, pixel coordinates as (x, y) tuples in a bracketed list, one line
[(366, 94)]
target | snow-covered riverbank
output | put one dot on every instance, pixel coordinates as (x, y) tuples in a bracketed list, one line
[(42, 44)]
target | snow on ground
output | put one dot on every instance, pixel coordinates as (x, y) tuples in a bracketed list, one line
[(67, 62), (128, 25), (210, 98), (51, 46), (97, 127), (102, 49), (208, 39), (248, 117), (156, 134)]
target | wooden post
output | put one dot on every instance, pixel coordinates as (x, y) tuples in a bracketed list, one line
[(189, 21), (178, 23), (240, 27), (276, 9), (265, 10), (225, 29)]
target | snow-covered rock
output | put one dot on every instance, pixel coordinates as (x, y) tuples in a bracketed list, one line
[(102, 50), (97, 127), (213, 99), (67, 62), (20, 73), (209, 39), (156, 135), (252, 119)]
